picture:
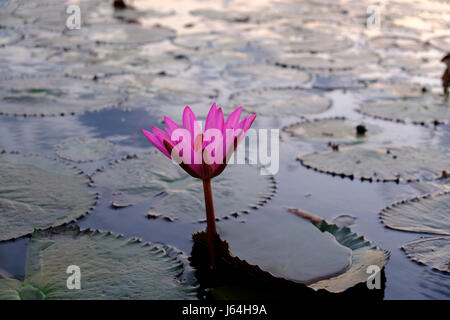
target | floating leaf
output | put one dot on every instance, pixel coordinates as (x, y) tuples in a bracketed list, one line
[(418, 111), (393, 164), (37, 193), (306, 255), (228, 15), (337, 62), (282, 101), (83, 150), (9, 36), (333, 259), (54, 96), (222, 59), (442, 43), (426, 214), (263, 75), (317, 42), (211, 41), (397, 42), (364, 254), (111, 268), (127, 34), (331, 129), (396, 90), (434, 252), (175, 193)]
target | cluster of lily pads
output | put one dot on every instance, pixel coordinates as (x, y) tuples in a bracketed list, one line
[(282, 62)]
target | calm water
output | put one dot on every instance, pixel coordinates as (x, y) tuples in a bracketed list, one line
[(299, 187)]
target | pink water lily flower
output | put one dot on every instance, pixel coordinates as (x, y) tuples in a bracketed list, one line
[(193, 147), (203, 155)]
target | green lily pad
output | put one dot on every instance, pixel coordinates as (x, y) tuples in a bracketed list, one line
[(434, 252), (338, 129), (9, 36), (396, 90), (211, 41), (176, 194), (227, 15), (221, 59), (392, 164), (259, 245), (336, 62), (397, 42), (281, 101), (263, 75), (333, 259), (426, 214), (84, 150), (127, 34), (37, 193), (111, 268), (55, 96), (417, 111), (318, 42)]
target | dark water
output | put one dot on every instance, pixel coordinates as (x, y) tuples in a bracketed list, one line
[(299, 187)]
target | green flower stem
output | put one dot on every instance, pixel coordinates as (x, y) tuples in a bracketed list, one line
[(210, 220)]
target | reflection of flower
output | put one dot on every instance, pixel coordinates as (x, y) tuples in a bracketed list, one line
[(203, 155)]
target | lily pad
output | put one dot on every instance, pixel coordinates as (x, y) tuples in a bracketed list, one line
[(282, 101), (227, 15), (212, 41), (318, 42), (174, 193), (333, 259), (336, 129), (262, 76), (442, 43), (417, 111), (337, 62), (397, 42), (84, 150), (55, 96), (395, 90), (37, 193), (426, 214), (111, 268), (434, 252), (221, 59), (391, 164), (127, 34), (9, 36)]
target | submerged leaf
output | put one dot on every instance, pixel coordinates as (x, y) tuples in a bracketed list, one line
[(337, 129), (282, 101), (262, 75), (418, 111), (331, 260), (55, 96), (174, 193), (83, 149), (37, 193), (111, 268), (434, 252), (393, 164), (8, 36), (426, 214)]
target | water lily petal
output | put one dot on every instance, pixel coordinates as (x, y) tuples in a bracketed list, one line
[(156, 142), (233, 119)]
